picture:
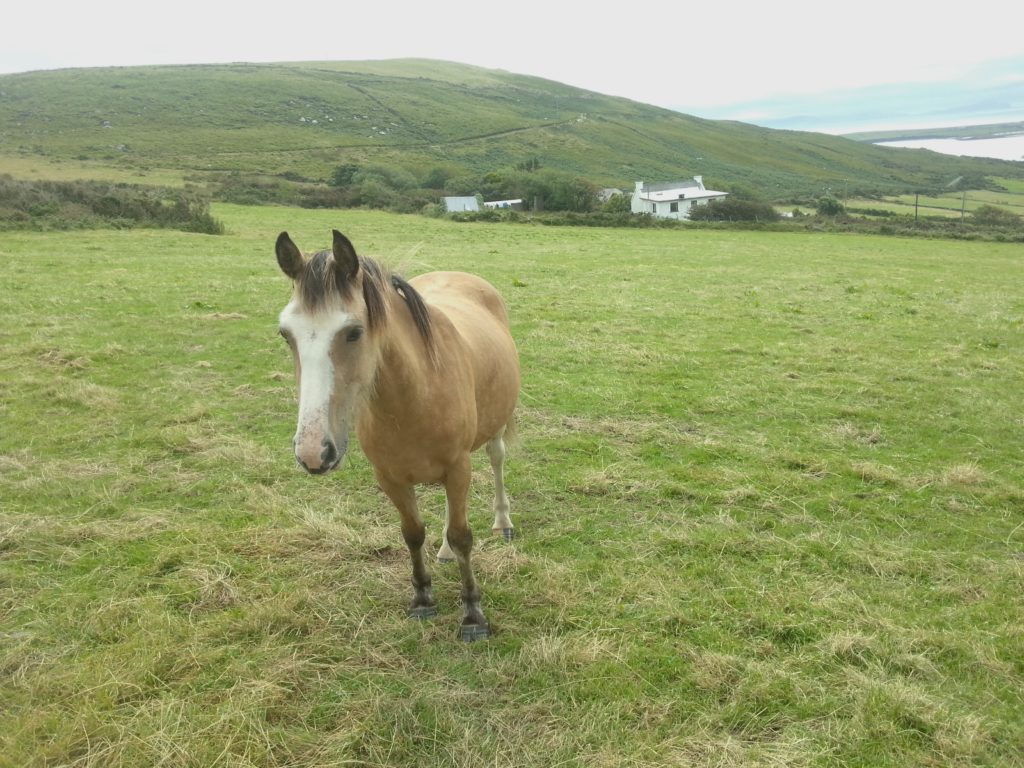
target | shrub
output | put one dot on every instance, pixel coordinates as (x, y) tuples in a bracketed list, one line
[(79, 204), (991, 216), (617, 204), (734, 209), (829, 206)]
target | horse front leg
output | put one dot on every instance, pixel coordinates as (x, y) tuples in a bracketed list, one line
[(415, 533), (460, 539)]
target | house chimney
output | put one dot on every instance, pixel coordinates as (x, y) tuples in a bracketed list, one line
[(639, 187), (700, 181)]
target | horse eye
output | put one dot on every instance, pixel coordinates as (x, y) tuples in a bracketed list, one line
[(354, 335)]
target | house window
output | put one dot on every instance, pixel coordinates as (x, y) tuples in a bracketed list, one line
[(674, 208), (654, 207)]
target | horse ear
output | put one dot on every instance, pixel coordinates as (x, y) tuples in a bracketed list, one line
[(345, 257), (289, 258)]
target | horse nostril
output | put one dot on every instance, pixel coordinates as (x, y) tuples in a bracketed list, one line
[(329, 455)]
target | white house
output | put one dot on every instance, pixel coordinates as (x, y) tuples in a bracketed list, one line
[(455, 204), (672, 200)]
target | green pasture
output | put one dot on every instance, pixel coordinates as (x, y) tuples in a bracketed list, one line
[(40, 168), (950, 205), (767, 489)]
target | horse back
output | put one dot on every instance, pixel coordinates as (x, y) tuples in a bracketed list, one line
[(479, 317), (460, 294)]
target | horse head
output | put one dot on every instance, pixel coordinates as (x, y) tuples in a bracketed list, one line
[(328, 324)]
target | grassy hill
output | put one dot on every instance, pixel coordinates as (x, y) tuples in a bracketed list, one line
[(304, 120)]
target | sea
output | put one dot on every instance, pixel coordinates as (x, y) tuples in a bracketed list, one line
[(1010, 147)]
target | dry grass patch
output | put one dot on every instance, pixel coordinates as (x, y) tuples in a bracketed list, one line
[(969, 474), (878, 474), (625, 431), (84, 394), (620, 481), (848, 432), (57, 359)]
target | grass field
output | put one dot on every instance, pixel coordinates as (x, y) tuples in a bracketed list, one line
[(952, 205), (767, 489)]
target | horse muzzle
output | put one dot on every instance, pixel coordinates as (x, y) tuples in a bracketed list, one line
[(329, 456)]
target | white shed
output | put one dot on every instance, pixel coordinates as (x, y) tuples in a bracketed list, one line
[(458, 204)]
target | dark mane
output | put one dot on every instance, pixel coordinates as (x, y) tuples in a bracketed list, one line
[(321, 279), (417, 307)]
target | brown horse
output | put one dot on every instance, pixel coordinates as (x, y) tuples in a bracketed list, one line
[(427, 372)]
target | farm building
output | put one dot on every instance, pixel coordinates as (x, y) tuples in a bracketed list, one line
[(514, 205), (672, 200), (458, 204)]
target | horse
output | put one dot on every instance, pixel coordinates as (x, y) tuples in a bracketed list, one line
[(427, 372)]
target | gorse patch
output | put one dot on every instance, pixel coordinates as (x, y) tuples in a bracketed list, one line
[(49, 205)]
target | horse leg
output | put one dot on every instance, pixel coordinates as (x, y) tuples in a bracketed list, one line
[(414, 532), (445, 554), (502, 522), (460, 538)]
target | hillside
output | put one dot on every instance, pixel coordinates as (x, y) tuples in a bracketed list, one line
[(306, 119)]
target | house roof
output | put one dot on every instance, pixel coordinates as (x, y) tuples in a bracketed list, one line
[(680, 193), (671, 185), (691, 189)]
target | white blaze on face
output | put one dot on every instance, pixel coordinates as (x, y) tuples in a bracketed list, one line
[(311, 338)]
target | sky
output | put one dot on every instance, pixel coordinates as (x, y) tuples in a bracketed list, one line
[(697, 57)]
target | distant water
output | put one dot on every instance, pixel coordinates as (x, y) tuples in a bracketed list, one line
[(1001, 148)]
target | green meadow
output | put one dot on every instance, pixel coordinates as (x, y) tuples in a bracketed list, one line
[(767, 487), (952, 204)]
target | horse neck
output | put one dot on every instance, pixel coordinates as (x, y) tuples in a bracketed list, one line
[(405, 367)]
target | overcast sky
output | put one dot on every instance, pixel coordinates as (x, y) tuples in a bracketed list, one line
[(686, 55)]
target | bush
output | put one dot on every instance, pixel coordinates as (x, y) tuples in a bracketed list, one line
[(991, 216), (734, 209), (829, 206), (82, 204)]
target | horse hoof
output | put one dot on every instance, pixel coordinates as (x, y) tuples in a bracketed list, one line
[(423, 612), (473, 632), (506, 533)]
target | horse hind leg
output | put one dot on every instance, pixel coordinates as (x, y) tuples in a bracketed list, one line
[(502, 521), (502, 525)]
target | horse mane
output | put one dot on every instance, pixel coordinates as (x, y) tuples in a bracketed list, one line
[(321, 279)]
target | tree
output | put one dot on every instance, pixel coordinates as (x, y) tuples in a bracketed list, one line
[(343, 175), (617, 204), (992, 216), (829, 206)]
